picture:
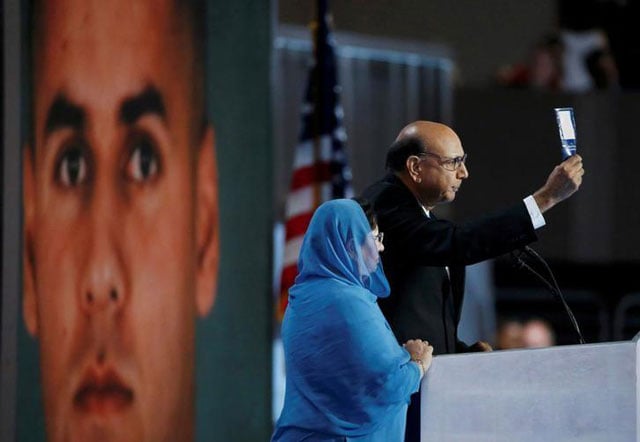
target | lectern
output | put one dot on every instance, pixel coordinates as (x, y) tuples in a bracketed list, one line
[(582, 393)]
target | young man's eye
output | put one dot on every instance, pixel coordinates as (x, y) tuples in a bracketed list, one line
[(143, 163), (72, 167)]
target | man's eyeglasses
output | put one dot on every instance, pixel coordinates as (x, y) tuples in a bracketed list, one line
[(451, 164)]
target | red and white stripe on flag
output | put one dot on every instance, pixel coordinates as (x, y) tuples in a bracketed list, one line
[(320, 168)]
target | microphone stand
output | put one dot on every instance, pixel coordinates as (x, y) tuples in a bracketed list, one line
[(553, 288)]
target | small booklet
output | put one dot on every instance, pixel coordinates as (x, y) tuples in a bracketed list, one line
[(567, 128)]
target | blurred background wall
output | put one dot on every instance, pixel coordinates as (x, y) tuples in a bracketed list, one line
[(507, 65)]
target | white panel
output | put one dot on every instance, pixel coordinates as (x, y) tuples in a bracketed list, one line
[(576, 393)]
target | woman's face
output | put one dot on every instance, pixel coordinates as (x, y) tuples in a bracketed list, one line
[(371, 249)]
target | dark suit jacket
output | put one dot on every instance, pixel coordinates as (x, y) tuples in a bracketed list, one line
[(425, 303)]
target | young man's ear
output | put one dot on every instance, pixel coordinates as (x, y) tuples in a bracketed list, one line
[(207, 223), (29, 297)]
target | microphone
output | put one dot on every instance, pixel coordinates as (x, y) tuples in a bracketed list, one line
[(554, 289)]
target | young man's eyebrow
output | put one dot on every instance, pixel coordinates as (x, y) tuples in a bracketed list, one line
[(64, 114), (149, 101)]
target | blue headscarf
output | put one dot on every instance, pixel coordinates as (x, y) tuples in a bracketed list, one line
[(346, 373), (339, 245)]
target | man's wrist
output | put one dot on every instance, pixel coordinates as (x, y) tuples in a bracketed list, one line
[(543, 200)]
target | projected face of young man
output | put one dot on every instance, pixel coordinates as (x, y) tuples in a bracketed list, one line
[(121, 229)]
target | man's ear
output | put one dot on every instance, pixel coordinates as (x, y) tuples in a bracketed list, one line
[(29, 301), (413, 167), (207, 223)]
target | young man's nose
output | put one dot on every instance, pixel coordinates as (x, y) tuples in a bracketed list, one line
[(95, 299), (103, 285)]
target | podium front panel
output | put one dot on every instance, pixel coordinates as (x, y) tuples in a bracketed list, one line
[(583, 393)]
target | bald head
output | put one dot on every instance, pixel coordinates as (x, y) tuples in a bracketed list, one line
[(419, 137), (429, 132)]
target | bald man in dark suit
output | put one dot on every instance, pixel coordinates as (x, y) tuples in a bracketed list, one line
[(425, 257)]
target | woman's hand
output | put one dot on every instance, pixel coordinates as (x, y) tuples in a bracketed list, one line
[(420, 352)]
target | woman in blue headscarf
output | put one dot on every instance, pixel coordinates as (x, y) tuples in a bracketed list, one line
[(347, 377)]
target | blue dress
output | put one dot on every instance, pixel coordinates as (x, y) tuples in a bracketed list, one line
[(347, 377)]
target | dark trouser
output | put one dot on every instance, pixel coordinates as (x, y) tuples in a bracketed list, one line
[(412, 432)]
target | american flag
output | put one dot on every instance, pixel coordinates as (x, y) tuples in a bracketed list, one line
[(320, 168)]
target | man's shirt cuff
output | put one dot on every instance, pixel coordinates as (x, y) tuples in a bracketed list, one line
[(534, 212)]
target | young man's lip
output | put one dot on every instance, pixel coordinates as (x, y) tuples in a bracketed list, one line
[(102, 391)]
